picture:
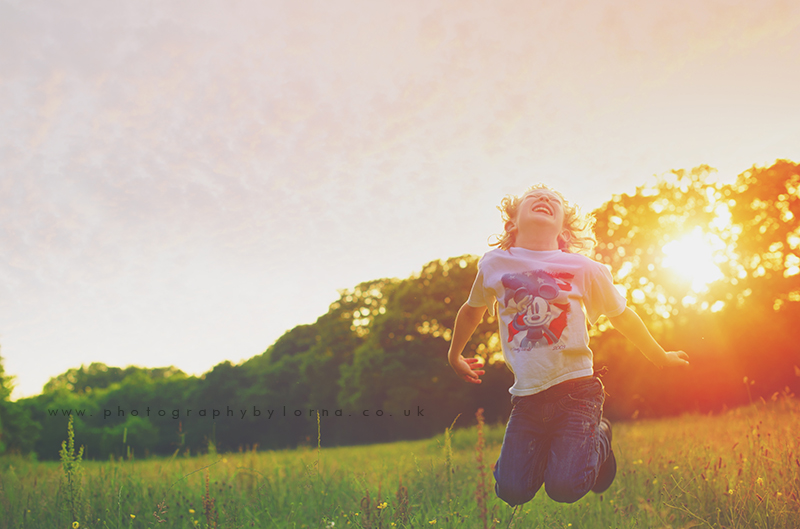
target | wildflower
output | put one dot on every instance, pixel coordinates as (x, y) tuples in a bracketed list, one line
[(730, 491), (191, 511), (75, 525), (760, 481), (432, 521), (133, 516), (675, 467), (382, 505)]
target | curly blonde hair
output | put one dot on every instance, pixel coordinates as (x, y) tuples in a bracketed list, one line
[(580, 227)]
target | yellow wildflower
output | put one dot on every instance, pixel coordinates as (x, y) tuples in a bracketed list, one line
[(382, 505), (75, 525)]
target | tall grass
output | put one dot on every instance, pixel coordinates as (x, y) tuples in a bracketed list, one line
[(737, 469), (72, 476)]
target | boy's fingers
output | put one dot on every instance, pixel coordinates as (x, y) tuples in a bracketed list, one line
[(682, 357), (475, 363)]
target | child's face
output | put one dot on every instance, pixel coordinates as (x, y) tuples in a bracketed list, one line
[(541, 210)]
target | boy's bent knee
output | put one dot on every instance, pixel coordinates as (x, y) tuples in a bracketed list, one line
[(566, 492), (513, 496)]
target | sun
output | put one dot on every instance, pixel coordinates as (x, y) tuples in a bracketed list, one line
[(694, 257)]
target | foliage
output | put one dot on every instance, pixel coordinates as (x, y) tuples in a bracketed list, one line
[(18, 431), (734, 326), (99, 376), (403, 361)]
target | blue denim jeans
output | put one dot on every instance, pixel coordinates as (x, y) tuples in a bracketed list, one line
[(552, 438)]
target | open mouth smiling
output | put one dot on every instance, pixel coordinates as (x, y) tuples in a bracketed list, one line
[(542, 208)]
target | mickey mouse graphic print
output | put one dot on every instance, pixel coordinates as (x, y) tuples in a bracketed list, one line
[(537, 305), (545, 299)]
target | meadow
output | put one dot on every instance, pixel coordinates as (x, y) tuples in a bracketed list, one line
[(739, 468)]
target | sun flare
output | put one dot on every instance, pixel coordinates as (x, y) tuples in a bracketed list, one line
[(693, 257)]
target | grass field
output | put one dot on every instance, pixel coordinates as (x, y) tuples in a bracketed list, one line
[(737, 469)]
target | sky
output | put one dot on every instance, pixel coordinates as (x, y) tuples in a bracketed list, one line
[(182, 182)]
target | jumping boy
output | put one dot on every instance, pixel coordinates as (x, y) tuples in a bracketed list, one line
[(545, 295)]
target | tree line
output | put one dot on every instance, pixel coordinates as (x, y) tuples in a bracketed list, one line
[(373, 368)]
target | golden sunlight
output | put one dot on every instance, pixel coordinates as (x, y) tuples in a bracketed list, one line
[(693, 258)]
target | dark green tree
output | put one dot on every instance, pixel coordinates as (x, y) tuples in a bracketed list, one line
[(98, 375), (403, 363), (18, 431)]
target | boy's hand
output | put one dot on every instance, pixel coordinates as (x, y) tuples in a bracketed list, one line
[(676, 358), (468, 368)]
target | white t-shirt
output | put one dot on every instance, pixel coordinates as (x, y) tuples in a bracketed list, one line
[(544, 300)]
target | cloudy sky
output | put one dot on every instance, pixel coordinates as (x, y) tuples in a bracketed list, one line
[(181, 182)]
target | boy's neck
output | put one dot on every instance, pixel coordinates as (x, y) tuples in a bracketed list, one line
[(538, 244)]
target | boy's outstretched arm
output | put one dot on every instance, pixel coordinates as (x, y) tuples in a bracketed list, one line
[(467, 320), (632, 327)]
